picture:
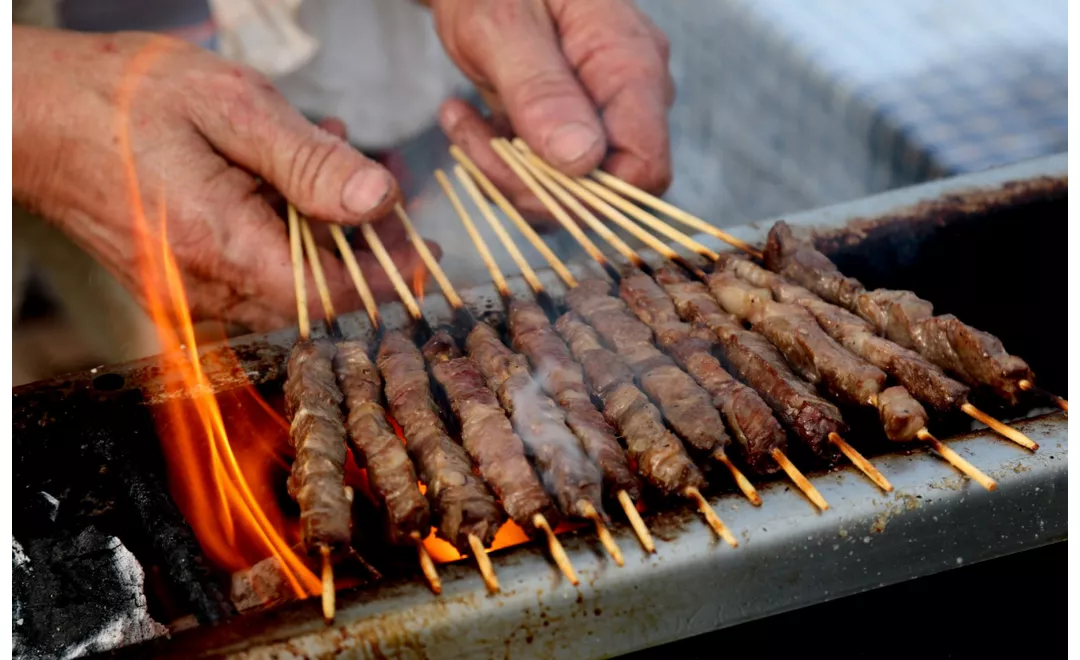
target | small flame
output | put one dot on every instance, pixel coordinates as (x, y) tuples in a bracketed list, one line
[(419, 280), (225, 484)]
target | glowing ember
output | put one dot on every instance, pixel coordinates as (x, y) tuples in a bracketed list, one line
[(226, 495)]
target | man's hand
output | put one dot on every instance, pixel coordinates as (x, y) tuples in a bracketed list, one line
[(198, 137), (584, 82)]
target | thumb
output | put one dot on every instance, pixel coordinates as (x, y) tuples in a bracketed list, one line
[(545, 101), (319, 172)]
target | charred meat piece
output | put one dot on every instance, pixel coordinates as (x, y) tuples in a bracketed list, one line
[(488, 435), (317, 432), (924, 379), (566, 471), (748, 417), (658, 454), (754, 361), (975, 357), (376, 448), (686, 406), (562, 378), (461, 503)]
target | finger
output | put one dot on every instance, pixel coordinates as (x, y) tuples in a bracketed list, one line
[(621, 58), (519, 53), (335, 127), (247, 121), (466, 128)]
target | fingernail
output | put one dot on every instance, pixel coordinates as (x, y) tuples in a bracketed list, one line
[(365, 190), (449, 117), (570, 142)]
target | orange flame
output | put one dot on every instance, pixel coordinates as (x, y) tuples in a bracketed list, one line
[(221, 492), (419, 280)]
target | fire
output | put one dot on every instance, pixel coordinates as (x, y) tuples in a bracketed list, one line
[(418, 282), (224, 485)]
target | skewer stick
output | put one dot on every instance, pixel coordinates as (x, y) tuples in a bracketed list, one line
[(636, 522), (714, 521), (646, 218), (392, 272), (432, 264), (958, 461), (329, 597), (682, 216), (316, 270), (624, 498), (1029, 386), (357, 275), (500, 231), (470, 228), (567, 200), (511, 212), (296, 253), (565, 183), (426, 565), (744, 484), (799, 479), (483, 562), (1000, 427), (602, 531), (518, 165), (860, 462), (556, 549)]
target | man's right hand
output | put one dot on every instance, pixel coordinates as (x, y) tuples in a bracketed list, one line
[(102, 122)]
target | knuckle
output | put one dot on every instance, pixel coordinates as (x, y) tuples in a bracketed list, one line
[(311, 161)]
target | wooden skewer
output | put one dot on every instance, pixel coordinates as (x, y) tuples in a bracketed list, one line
[(565, 183), (602, 531), (1000, 427), (296, 253), (426, 564), (388, 265), (639, 526), (329, 596), (566, 199), (799, 479), (357, 275), (958, 461), (556, 549), (316, 270), (497, 226), (1029, 386), (714, 521), (511, 212), (640, 529), (741, 481), (470, 228), (483, 562), (860, 462), (697, 223)]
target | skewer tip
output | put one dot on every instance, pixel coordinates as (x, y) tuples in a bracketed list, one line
[(483, 562), (1000, 427), (556, 549), (603, 533), (329, 605), (957, 461), (636, 522), (714, 521), (800, 480), (743, 483), (857, 459), (427, 566)]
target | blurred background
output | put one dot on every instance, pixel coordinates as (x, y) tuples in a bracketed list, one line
[(782, 106)]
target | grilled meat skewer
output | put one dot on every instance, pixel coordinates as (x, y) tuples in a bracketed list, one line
[(748, 417), (756, 362), (562, 378), (570, 477), (317, 432), (925, 380), (658, 454), (818, 357), (487, 434), (975, 357), (686, 406), (390, 474), (459, 500)]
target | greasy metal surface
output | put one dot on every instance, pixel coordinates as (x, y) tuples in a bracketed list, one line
[(789, 557)]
